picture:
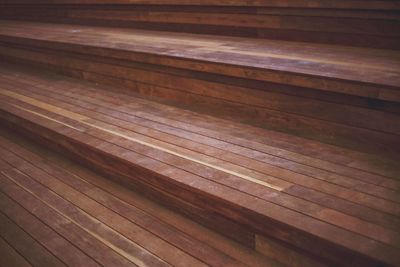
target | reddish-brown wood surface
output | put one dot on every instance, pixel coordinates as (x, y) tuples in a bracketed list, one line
[(365, 72), (285, 147), (356, 23), (338, 205), (374, 4), (45, 197), (340, 95)]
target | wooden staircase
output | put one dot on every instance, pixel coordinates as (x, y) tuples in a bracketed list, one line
[(272, 123)]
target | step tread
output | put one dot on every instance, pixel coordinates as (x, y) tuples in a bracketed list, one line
[(365, 72), (353, 207), (365, 4), (126, 228)]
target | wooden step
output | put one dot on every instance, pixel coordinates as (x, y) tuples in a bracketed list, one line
[(322, 203), (48, 201), (357, 23), (339, 95), (363, 72), (351, 4)]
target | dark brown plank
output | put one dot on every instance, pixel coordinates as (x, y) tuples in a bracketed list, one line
[(85, 240), (55, 243), (54, 164), (138, 123), (10, 257), (162, 114), (199, 173), (286, 3), (297, 111), (235, 168), (206, 126), (217, 16), (118, 221), (289, 256), (332, 63), (32, 251), (80, 183), (148, 166), (271, 248), (360, 129)]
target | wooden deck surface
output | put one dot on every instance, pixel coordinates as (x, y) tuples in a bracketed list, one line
[(328, 196), (367, 4), (355, 23), (54, 212), (356, 71)]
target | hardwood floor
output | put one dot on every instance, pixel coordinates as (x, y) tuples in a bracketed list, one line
[(345, 203)]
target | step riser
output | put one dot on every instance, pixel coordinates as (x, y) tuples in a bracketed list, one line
[(178, 194), (351, 125), (357, 27)]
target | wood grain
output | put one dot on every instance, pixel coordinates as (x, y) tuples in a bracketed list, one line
[(103, 136), (319, 120), (78, 200), (199, 133), (355, 23)]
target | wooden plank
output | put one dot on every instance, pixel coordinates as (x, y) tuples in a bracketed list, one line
[(85, 240), (147, 222), (160, 116), (282, 197), (270, 3), (87, 121), (360, 23), (313, 23), (53, 163), (132, 253), (9, 257), (345, 132), (269, 252), (321, 37), (245, 99), (206, 126), (138, 125), (117, 220), (32, 251), (215, 221), (149, 9), (122, 124), (107, 187), (55, 243), (161, 221), (119, 115), (269, 210), (264, 66), (195, 171), (289, 256)]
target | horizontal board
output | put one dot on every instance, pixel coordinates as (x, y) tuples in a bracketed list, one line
[(105, 215), (348, 126), (326, 68), (267, 203), (368, 4), (346, 26)]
